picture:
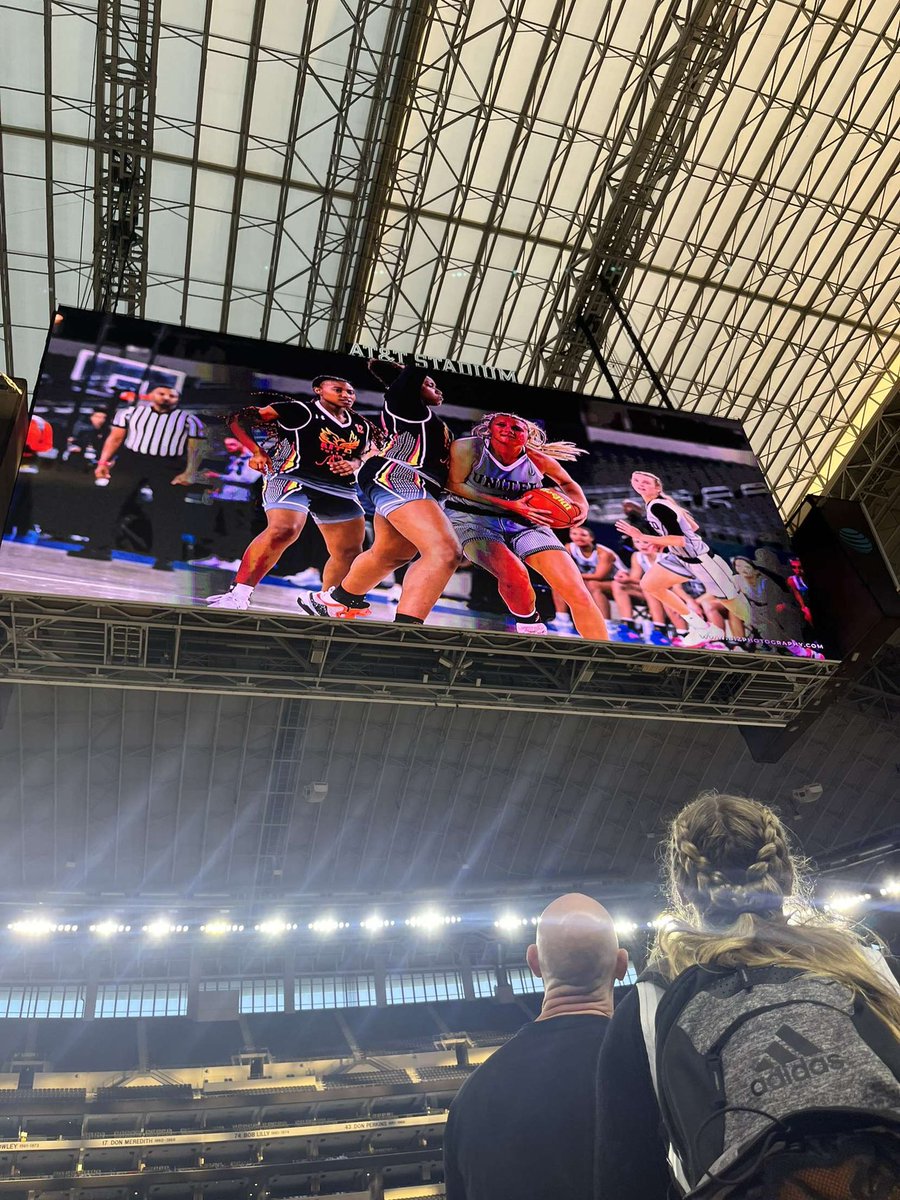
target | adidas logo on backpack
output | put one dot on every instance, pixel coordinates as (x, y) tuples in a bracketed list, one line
[(744, 1060), (792, 1058)]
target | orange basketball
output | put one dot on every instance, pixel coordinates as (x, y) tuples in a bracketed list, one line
[(552, 503)]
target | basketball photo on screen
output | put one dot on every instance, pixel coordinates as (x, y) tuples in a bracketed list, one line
[(172, 466)]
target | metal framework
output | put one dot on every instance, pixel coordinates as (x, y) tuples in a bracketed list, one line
[(70, 643), (127, 39), (685, 65), (457, 176), (872, 475)]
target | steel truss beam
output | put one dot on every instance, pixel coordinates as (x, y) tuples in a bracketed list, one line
[(58, 641), (127, 39), (871, 474), (677, 86)]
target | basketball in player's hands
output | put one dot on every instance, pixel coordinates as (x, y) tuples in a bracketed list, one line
[(553, 504)]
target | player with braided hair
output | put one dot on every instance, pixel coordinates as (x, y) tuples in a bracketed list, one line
[(317, 445), (403, 482), (757, 989), (503, 459), (536, 438)]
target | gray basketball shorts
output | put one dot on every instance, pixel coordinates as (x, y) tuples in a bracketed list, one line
[(522, 540), (711, 570)]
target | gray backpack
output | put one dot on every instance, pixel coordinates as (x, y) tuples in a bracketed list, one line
[(747, 1063)]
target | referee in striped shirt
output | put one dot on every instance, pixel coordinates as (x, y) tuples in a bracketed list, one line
[(150, 444)]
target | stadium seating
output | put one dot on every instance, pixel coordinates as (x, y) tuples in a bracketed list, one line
[(179, 1042), (748, 518)]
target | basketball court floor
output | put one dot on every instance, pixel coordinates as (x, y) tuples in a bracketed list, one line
[(45, 571)]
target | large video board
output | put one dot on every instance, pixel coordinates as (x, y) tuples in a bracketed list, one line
[(176, 466)]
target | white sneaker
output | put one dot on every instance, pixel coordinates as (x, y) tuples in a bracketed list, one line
[(530, 627), (700, 632), (323, 604), (310, 578), (228, 600)]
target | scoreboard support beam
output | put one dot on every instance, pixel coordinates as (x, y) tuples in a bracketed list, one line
[(127, 39), (687, 64), (82, 643)]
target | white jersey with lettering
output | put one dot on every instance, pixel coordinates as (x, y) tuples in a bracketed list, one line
[(498, 481), (694, 559)]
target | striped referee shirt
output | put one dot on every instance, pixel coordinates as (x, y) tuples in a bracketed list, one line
[(160, 434)]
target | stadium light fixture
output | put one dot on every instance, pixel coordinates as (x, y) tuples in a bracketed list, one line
[(108, 928), (846, 902), (35, 926), (220, 928), (663, 921), (274, 926), (430, 920), (375, 923), (328, 924), (624, 927), (510, 921), (161, 927), (891, 889)]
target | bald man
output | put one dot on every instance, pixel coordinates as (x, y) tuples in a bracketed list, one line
[(522, 1126)]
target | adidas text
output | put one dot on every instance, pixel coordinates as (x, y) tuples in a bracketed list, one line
[(796, 1072)]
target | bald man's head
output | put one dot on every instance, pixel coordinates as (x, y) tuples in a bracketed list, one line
[(576, 946)]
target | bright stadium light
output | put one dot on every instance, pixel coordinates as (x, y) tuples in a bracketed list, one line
[(274, 926), (108, 928), (160, 928), (625, 927), (375, 923), (891, 889), (220, 928), (846, 902), (33, 926), (430, 920), (328, 924), (509, 921)]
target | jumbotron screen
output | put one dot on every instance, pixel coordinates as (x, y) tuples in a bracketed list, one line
[(175, 466)]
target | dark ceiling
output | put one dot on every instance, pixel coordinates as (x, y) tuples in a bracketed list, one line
[(196, 801)]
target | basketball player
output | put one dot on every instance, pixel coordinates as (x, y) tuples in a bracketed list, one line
[(597, 564), (683, 554), (505, 457), (628, 586), (774, 615), (311, 471), (403, 481)]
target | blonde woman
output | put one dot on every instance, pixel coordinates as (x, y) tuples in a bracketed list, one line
[(683, 554), (490, 471), (740, 933)]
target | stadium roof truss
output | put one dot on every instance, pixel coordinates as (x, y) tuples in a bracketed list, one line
[(471, 177)]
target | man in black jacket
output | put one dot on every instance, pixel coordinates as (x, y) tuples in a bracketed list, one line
[(522, 1127)]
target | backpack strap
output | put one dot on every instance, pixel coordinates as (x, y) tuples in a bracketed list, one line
[(649, 995), (650, 992)]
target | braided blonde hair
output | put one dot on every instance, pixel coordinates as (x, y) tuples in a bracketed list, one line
[(731, 873), (537, 438)]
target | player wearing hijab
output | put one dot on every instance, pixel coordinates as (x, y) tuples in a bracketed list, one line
[(315, 449), (683, 554), (403, 481), (505, 457)]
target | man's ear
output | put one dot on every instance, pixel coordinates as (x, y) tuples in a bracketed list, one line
[(531, 957), (621, 964)]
